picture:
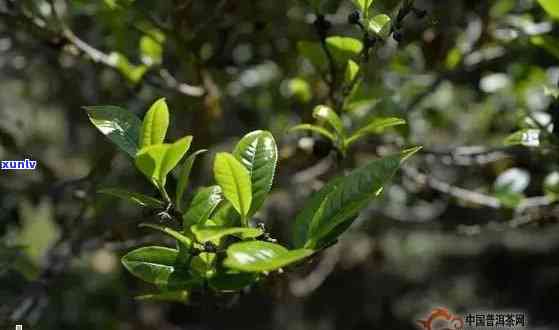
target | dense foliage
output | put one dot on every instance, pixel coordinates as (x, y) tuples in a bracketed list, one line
[(328, 164)]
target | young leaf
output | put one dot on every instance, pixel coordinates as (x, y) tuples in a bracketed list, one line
[(380, 25), (155, 124), (151, 47), (185, 241), (136, 198), (551, 7), (211, 233), (121, 126), (156, 161), (184, 177), (132, 72), (351, 71), (258, 152), (325, 113), (158, 265), (528, 137), (234, 180), (300, 89), (375, 126), (316, 129), (173, 156), (343, 201), (260, 256), (344, 48), (203, 204), (148, 161), (179, 296), (363, 5)]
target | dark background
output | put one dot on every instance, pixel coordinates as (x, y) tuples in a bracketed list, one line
[(444, 234)]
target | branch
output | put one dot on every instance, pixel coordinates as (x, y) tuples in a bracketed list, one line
[(66, 37)]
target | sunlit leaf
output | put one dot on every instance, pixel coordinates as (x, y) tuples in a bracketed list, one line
[(133, 73), (380, 25), (234, 180), (551, 7), (316, 129), (375, 126), (156, 161), (151, 47), (159, 265), (344, 48), (121, 126), (258, 152), (203, 204), (345, 198), (211, 233), (328, 115), (351, 71), (529, 137), (155, 124), (300, 89), (259, 256), (363, 5)]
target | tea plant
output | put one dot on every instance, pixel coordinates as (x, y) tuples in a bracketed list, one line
[(342, 61), (218, 246)]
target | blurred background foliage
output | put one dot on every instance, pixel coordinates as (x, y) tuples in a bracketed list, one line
[(469, 224)]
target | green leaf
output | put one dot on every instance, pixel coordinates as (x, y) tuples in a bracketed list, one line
[(155, 124), (551, 7), (184, 177), (158, 265), (300, 89), (203, 204), (344, 48), (351, 71), (529, 137), (210, 233), (185, 241), (156, 161), (316, 129), (234, 180), (322, 112), (258, 152), (133, 197), (313, 52), (343, 200), (231, 281), (133, 73), (550, 44), (151, 47), (312, 205), (363, 5), (179, 296), (121, 126), (380, 25), (225, 215), (260, 256), (375, 126)]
